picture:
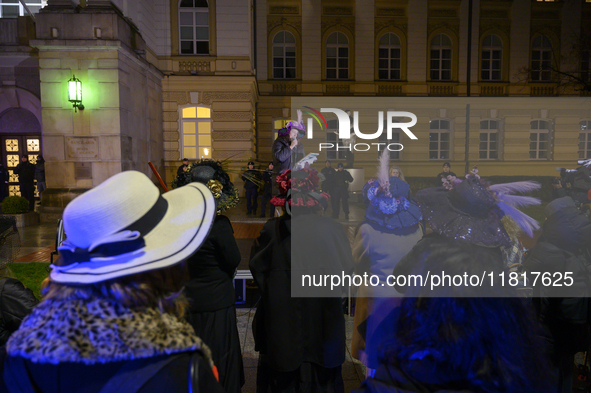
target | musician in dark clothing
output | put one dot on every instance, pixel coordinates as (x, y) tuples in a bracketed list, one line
[(251, 188), (26, 177), (267, 190), (443, 175), (340, 191), (183, 167)]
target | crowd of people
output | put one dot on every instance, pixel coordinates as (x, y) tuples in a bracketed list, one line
[(142, 297)]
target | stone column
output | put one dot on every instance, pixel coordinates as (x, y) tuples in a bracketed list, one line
[(520, 41), (120, 127), (417, 46), (364, 40), (311, 40), (262, 39)]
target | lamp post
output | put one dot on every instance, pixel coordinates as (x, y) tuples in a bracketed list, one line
[(75, 93)]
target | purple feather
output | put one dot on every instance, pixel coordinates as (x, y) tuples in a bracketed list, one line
[(519, 200), (524, 221), (518, 186)]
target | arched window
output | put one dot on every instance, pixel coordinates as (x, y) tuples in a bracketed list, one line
[(541, 59), (196, 132), (441, 52), (489, 140), (284, 55), (585, 139), (194, 27), (439, 139), (389, 57), (337, 56), (539, 140), (492, 55)]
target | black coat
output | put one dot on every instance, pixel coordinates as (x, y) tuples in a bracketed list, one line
[(283, 156), (292, 330), (562, 248), (25, 172), (16, 302), (212, 268), (40, 171), (252, 173), (328, 183), (268, 181), (81, 378), (341, 178)]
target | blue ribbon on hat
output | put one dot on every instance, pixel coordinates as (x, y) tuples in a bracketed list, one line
[(113, 245), (128, 240)]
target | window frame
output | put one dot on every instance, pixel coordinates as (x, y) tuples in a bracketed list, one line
[(196, 120), (332, 136), (194, 40), (540, 131), (284, 57), (490, 49), (587, 133), (439, 131), (389, 58), (542, 50), (337, 46), (21, 9), (489, 131), (440, 48)]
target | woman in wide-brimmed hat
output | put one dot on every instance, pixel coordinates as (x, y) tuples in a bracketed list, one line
[(390, 230), (210, 289), (299, 332), (111, 318)]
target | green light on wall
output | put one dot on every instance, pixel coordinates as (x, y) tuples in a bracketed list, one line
[(75, 93)]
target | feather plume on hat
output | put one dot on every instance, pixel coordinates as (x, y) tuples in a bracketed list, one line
[(383, 174), (508, 202)]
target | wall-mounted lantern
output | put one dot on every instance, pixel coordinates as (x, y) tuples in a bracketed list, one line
[(75, 93)]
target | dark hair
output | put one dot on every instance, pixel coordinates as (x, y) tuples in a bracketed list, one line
[(481, 344), (160, 289)]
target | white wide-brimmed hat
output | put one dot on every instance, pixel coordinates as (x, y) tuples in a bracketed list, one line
[(124, 226)]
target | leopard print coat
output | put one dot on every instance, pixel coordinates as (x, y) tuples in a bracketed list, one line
[(99, 331)]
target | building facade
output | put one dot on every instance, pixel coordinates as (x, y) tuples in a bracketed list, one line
[(168, 79)]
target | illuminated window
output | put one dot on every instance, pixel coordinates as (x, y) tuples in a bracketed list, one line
[(389, 57), (541, 59), (489, 140), (284, 55), (12, 145), (439, 139), (585, 139), (539, 140), (194, 27), (196, 139), (441, 51), (14, 9), (337, 56), (492, 54)]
